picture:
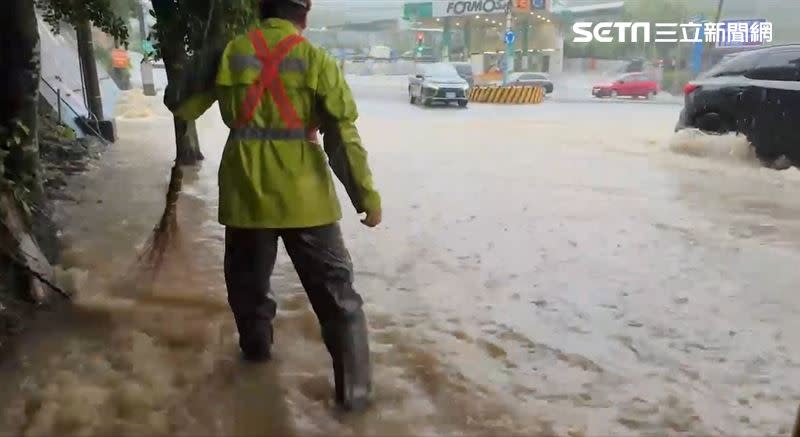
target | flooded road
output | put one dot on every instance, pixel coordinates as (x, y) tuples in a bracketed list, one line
[(564, 269)]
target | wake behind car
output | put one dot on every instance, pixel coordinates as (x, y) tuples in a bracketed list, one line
[(437, 83), (755, 93), (464, 70)]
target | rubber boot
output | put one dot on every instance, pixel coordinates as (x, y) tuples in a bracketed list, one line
[(347, 342), (258, 347)]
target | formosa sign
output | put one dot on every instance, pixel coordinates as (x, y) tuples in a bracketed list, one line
[(470, 7)]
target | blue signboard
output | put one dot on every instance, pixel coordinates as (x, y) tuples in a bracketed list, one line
[(147, 47), (697, 51), (510, 37), (539, 4)]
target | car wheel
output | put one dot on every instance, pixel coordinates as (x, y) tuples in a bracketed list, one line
[(462, 103), (712, 122), (412, 99), (614, 94), (427, 102)]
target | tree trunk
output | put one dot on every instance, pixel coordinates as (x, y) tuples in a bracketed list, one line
[(796, 430), (173, 52), (20, 169), (18, 245), (187, 145), (19, 96), (91, 82)]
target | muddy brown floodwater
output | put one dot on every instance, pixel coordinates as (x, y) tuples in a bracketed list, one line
[(541, 271)]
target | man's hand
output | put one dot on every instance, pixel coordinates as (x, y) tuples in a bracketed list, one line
[(373, 218), (312, 136)]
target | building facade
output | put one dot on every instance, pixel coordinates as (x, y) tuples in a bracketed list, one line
[(475, 30)]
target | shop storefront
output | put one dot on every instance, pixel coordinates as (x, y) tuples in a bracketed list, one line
[(474, 30)]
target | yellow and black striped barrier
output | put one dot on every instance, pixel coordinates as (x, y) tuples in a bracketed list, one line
[(507, 95)]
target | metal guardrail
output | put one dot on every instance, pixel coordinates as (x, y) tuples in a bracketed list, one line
[(67, 114), (58, 103)]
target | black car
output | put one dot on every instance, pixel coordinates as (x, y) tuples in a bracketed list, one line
[(755, 93), (531, 79)]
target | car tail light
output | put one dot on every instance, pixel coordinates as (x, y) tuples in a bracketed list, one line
[(690, 88)]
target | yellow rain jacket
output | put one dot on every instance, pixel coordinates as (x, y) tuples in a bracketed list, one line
[(271, 176)]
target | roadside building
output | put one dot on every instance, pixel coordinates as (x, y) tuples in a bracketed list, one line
[(474, 30)]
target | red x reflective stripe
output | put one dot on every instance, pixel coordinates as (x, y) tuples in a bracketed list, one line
[(270, 80)]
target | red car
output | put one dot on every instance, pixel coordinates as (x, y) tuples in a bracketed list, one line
[(631, 84)]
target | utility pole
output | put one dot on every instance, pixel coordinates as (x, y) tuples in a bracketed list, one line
[(446, 39), (142, 27), (719, 10), (146, 68), (796, 431), (509, 44), (95, 122), (91, 84)]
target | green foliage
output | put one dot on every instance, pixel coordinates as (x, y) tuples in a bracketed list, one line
[(13, 137), (99, 12), (103, 56), (125, 8), (196, 23), (661, 11), (65, 132), (657, 11)]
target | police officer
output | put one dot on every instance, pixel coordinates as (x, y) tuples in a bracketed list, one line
[(274, 90)]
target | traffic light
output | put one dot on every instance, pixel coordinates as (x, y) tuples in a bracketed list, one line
[(420, 40)]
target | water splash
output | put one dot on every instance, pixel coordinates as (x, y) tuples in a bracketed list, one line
[(728, 147), (134, 104)]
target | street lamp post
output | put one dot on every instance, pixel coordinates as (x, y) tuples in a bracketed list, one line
[(719, 10), (509, 55), (146, 68)]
